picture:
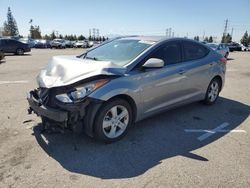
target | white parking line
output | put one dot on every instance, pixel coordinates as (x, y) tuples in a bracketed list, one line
[(208, 133), (14, 82)]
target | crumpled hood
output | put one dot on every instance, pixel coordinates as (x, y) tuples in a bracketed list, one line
[(66, 70)]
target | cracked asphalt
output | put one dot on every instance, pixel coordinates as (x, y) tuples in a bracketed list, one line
[(157, 152)]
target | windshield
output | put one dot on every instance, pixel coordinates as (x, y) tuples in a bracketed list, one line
[(119, 52)]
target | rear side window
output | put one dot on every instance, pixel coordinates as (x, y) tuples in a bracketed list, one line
[(193, 51), (170, 53)]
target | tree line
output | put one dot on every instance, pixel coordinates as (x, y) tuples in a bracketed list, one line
[(10, 29), (73, 37), (206, 39), (225, 38)]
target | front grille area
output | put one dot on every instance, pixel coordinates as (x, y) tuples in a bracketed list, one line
[(43, 94)]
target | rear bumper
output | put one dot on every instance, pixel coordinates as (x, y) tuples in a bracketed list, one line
[(43, 111)]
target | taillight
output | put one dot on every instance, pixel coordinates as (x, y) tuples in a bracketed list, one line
[(223, 60)]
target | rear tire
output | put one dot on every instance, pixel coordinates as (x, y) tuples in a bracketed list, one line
[(213, 92), (226, 55), (112, 121)]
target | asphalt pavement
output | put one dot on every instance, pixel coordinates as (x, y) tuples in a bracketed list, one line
[(191, 146)]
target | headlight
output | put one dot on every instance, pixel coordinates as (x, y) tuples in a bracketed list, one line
[(81, 92)]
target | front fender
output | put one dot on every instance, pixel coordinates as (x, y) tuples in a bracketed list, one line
[(120, 86)]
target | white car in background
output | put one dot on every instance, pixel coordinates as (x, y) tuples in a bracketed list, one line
[(80, 44), (245, 48), (248, 47), (58, 43), (220, 48)]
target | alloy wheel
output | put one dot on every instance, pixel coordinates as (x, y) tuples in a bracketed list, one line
[(213, 91), (115, 121)]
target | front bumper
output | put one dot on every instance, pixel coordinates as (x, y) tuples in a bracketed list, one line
[(43, 111), (77, 117)]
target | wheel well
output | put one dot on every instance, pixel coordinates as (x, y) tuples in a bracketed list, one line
[(219, 79), (131, 102)]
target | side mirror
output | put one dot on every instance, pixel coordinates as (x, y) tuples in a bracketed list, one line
[(154, 63)]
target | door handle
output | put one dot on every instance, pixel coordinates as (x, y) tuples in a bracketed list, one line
[(182, 71)]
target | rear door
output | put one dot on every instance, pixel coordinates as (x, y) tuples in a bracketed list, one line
[(197, 68)]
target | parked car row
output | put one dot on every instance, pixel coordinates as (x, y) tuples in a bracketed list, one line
[(56, 43), (222, 49), (238, 47)]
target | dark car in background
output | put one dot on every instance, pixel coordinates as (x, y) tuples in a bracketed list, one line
[(13, 46), (234, 46), (1, 54), (31, 42), (69, 44)]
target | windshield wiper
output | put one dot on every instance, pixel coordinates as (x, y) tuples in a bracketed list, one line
[(92, 58)]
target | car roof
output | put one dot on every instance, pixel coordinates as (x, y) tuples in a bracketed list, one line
[(8, 39), (155, 38)]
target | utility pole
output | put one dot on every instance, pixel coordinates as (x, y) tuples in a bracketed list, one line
[(94, 33), (232, 32), (166, 32), (97, 33), (225, 31), (89, 32), (57, 34), (170, 32), (225, 28)]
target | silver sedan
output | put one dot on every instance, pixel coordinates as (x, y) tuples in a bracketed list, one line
[(110, 87)]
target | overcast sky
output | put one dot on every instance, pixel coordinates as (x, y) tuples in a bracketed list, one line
[(131, 17)]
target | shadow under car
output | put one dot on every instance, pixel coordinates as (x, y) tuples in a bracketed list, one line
[(147, 143)]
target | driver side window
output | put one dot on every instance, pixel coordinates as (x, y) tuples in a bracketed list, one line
[(170, 53)]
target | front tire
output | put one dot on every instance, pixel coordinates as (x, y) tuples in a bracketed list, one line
[(19, 51), (213, 91), (113, 120)]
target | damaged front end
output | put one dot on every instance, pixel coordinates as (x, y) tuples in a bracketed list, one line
[(76, 114), (64, 88)]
